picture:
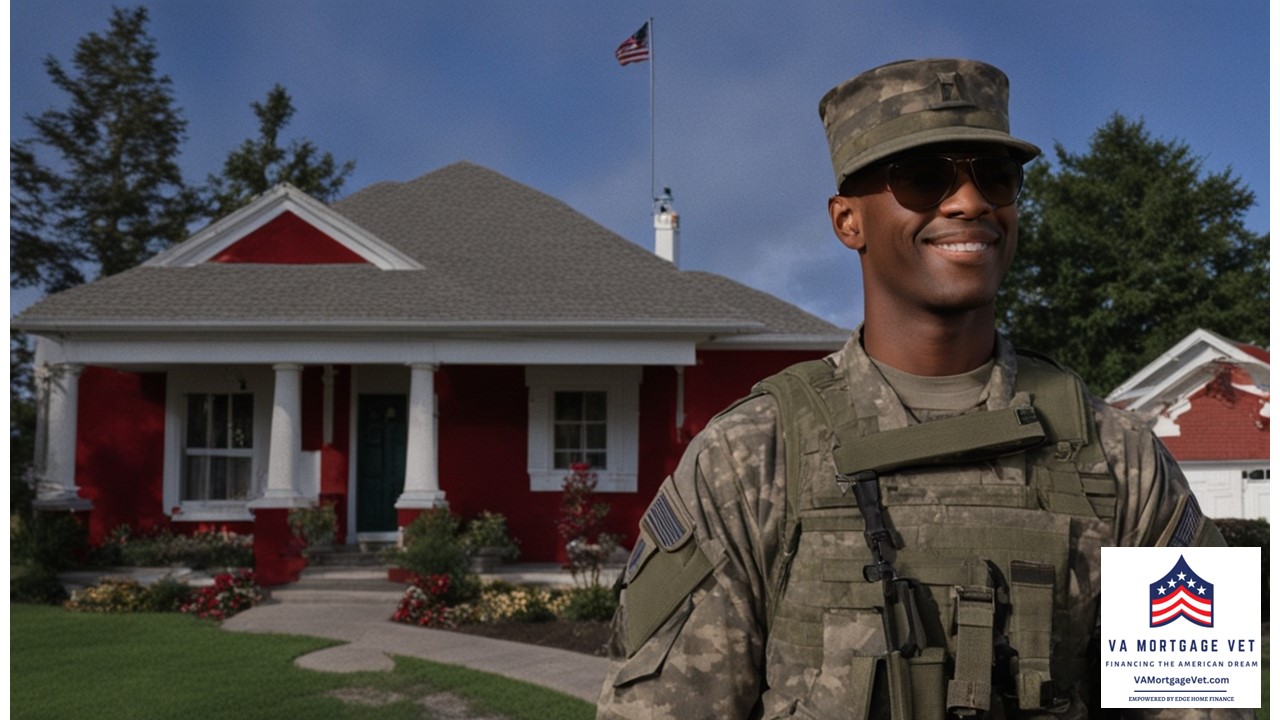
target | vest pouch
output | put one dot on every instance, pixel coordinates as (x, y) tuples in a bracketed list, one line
[(1031, 632), (928, 683)]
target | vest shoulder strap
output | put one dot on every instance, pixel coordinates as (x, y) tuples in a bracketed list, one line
[(795, 390)]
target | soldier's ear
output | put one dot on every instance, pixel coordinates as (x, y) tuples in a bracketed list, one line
[(846, 221)]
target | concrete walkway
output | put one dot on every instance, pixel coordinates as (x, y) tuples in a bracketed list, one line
[(357, 611)]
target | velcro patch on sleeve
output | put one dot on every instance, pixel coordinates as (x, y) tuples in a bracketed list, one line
[(1188, 524), (667, 521), (639, 554)]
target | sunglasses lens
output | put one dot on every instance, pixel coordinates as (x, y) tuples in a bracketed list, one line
[(998, 178), (919, 183)]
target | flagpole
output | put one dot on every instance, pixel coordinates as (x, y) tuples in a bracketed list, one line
[(653, 152)]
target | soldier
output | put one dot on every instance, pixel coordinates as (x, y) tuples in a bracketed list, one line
[(911, 527)]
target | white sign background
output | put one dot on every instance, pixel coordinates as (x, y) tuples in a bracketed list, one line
[(1127, 574)]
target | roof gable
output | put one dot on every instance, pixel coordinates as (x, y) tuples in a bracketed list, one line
[(287, 239), (284, 226), (1185, 367)]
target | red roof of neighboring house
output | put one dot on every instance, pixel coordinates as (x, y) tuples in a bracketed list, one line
[(1256, 351), (1223, 423)]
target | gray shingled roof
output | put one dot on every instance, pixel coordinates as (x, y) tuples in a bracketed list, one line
[(495, 253)]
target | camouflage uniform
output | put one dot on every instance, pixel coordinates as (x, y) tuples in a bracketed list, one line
[(717, 652)]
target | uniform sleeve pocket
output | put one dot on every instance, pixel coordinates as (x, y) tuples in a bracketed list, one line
[(648, 659)]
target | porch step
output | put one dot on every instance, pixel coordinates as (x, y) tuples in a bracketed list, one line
[(338, 584), (362, 555)]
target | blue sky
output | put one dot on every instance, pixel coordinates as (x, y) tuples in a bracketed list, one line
[(532, 90)]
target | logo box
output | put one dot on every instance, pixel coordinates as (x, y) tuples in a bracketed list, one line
[(1181, 627)]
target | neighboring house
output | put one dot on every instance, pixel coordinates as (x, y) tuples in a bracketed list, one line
[(459, 338), (1209, 400)]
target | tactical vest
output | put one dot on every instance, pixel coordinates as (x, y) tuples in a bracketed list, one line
[(931, 570)]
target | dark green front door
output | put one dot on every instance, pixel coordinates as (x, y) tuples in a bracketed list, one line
[(383, 429)]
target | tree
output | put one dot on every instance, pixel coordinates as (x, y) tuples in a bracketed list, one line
[(22, 410), (115, 195), (1127, 248), (260, 164)]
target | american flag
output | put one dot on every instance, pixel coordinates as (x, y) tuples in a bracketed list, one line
[(635, 48), (1181, 593)]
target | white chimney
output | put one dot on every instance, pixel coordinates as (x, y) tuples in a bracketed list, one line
[(666, 229)]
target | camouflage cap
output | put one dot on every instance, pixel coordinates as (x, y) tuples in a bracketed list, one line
[(910, 103)]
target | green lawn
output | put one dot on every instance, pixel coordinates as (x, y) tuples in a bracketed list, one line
[(69, 665)]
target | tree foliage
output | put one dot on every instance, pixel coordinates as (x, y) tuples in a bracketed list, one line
[(1127, 248), (261, 163), (22, 410), (114, 194)]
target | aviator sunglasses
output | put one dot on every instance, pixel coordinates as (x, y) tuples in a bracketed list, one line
[(922, 182)]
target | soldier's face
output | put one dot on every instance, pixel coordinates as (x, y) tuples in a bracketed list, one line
[(949, 258)]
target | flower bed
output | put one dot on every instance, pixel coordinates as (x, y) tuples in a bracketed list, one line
[(423, 604), (229, 594), (166, 549)]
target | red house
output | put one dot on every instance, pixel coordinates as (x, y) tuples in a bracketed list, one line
[(459, 338), (1209, 400)]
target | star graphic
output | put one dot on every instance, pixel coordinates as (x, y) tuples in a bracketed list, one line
[(1161, 589), (1191, 583), (1182, 576), (1200, 589), (1173, 584)]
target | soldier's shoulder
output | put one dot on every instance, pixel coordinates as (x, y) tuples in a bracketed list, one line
[(1117, 420), (752, 417)]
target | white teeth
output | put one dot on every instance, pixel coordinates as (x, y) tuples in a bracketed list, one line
[(963, 247)]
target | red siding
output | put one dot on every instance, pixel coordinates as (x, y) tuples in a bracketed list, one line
[(1224, 423), (483, 413), (484, 441), (120, 449), (288, 240), (723, 376), (483, 453)]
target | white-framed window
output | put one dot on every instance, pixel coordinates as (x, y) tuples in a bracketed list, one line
[(217, 435), (217, 447), (583, 414), (580, 434)]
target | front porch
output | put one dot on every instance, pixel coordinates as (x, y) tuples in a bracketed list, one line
[(196, 446)]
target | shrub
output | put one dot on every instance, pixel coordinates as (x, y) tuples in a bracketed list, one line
[(54, 540), (590, 603), (580, 523), (504, 602), (32, 582), (198, 551), (123, 595), (112, 595), (423, 603), (432, 547), (167, 595), (489, 530), (229, 594), (1252, 533), (315, 525), (580, 515), (587, 559)]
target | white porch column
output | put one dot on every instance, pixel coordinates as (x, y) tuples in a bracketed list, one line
[(56, 487), (286, 441), (421, 473)]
